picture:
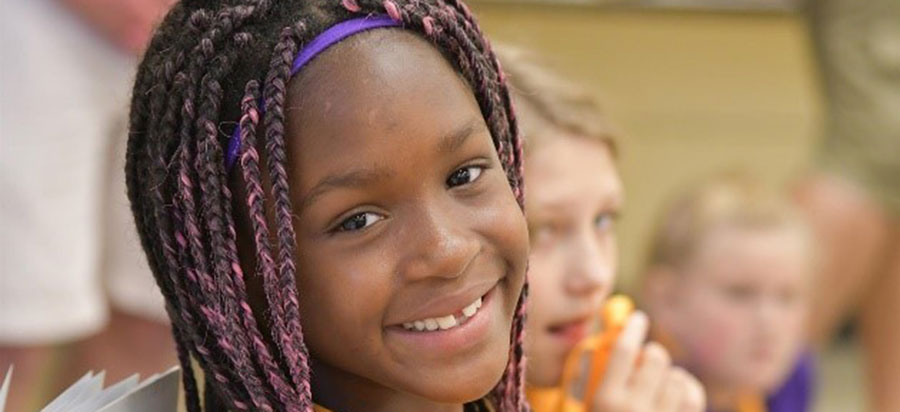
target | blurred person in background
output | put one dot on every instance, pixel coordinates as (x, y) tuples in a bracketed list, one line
[(68, 247), (573, 200), (728, 287), (853, 199)]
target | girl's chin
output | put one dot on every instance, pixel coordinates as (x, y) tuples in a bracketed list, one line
[(459, 392), (464, 384)]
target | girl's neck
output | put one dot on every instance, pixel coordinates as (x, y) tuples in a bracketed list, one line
[(340, 391)]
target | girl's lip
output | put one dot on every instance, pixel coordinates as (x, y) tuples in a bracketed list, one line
[(446, 303), (455, 339)]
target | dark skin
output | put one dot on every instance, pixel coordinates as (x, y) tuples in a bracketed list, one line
[(402, 211)]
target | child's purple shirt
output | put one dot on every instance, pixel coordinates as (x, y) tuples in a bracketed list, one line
[(796, 394)]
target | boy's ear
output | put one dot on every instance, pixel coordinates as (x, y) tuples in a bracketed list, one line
[(658, 291)]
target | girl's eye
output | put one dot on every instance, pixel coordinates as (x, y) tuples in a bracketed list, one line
[(464, 176), (359, 221)]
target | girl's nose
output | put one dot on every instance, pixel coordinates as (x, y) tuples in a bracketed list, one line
[(440, 244)]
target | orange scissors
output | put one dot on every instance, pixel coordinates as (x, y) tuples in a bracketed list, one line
[(614, 314)]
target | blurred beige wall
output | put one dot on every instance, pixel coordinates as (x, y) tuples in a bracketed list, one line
[(695, 93)]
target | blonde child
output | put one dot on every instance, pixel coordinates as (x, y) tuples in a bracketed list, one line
[(728, 287), (574, 197)]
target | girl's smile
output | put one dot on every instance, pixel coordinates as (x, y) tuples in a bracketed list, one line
[(460, 330), (448, 310)]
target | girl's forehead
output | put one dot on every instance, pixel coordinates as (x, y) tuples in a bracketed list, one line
[(381, 64), (384, 97), (379, 81)]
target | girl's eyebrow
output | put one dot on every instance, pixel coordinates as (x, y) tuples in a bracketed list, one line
[(350, 179), (452, 141), (449, 143)]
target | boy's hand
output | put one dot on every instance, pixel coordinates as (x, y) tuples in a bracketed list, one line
[(640, 377)]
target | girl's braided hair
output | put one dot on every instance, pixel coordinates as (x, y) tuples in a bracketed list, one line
[(211, 63)]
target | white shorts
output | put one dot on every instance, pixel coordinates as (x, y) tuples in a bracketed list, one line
[(64, 218)]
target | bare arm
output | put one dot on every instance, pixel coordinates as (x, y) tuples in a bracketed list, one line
[(127, 24)]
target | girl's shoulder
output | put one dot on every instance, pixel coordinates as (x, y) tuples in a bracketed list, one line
[(482, 405)]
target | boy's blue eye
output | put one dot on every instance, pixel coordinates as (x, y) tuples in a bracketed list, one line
[(464, 175), (604, 221), (358, 221)]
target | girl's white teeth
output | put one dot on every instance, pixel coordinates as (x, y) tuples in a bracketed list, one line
[(471, 309), (431, 324), (447, 322), (444, 322)]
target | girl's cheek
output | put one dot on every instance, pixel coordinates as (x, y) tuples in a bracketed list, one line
[(507, 230)]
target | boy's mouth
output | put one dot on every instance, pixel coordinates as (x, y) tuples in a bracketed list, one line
[(570, 332), (449, 321)]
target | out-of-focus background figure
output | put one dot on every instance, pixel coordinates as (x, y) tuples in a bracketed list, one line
[(575, 196), (75, 293), (853, 198), (727, 285), (701, 86)]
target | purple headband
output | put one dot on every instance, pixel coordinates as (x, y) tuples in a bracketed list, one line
[(319, 44)]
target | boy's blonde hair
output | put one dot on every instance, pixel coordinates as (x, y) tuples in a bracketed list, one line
[(731, 199), (545, 101)]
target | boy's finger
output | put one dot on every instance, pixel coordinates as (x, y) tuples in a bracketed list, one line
[(694, 399), (669, 398), (651, 373), (625, 353)]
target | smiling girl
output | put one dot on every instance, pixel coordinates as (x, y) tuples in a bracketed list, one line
[(329, 194)]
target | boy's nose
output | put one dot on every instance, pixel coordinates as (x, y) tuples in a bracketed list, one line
[(440, 245), (590, 266), (769, 312)]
